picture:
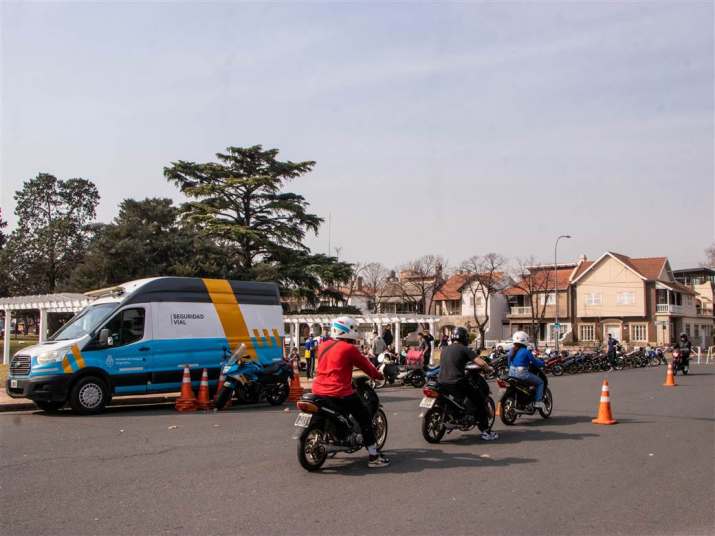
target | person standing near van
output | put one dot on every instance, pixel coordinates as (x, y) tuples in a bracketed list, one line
[(387, 336), (311, 345)]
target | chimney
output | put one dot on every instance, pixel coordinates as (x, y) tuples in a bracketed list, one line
[(359, 282), (583, 258)]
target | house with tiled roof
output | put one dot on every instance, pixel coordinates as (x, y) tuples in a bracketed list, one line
[(637, 300), (532, 301), (460, 296)]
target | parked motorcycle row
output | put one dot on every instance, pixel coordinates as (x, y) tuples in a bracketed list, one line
[(565, 362)]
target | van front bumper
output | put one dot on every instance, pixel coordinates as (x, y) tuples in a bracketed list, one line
[(42, 388)]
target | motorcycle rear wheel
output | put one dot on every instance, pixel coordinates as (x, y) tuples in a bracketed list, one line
[(433, 428), (418, 381), (558, 370), (279, 395), (311, 450), (508, 410), (492, 411)]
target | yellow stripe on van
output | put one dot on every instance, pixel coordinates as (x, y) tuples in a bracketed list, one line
[(278, 338), (78, 357), (267, 336), (260, 341), (230, 315), (66, 366)]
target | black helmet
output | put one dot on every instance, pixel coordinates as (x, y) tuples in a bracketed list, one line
[(683, 335), (460, 335)]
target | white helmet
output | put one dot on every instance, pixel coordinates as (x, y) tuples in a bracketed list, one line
[(344, 327), (520, 337)]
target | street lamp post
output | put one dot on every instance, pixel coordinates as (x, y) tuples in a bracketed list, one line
[(557, 326)]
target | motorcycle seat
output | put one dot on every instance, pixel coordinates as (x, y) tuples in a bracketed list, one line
[(519, 381), (270, 369)]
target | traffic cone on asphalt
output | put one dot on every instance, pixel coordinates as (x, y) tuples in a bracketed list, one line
[(204, 402), (219, 385), (497, 413), (604, 408), (669, 378), (187, 401), (296, 389)]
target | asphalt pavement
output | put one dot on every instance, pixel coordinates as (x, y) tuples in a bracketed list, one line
[(148, 470)]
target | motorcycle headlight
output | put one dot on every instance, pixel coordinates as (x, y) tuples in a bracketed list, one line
[(51, 356)]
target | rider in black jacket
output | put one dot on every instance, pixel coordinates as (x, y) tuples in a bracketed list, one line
[(685, 347)]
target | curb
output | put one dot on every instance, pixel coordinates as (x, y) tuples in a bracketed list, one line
[(129, 401)]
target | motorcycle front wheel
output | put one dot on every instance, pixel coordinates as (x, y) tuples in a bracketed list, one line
[(548, 403), (311, 449), (508, 410), (558, 370), (224, 395), (379, 425), (492, 411), (433, 428), (418, 381)]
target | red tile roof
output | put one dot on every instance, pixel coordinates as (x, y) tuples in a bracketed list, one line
[(647, 267), (451, 288), (541, 278)]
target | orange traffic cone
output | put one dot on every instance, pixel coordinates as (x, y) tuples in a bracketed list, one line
[(669, 378), (187, 400), (219, 385), (296, 389), (204, 402), (497, 413), (604, 409)]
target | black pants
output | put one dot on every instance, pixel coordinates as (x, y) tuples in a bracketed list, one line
[(426, 359), (476, 397), (310, 365), (354, 405), (612, 357)]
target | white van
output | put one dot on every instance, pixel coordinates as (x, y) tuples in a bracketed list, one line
[(136, 338)]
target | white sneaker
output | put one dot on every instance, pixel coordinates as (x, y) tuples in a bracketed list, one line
[(489, 436), (539, 405)]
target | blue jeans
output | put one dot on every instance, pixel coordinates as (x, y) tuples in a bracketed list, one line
[(533, 379)]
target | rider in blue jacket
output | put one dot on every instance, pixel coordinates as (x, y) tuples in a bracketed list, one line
[(520, 358)]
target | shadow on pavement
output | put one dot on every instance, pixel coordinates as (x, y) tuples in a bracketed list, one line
[(556, 420), (515, 435), (415, 461)]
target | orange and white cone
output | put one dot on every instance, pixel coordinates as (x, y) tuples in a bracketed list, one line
[(219, 385), (497, 413), (296, 389), (669, 378), (204, 402), (604, 409), (187, 401)]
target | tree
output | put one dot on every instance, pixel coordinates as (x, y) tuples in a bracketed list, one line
[(420, 279), (375, 277), (3, 237), (535, 282), (485, 278), (240, 203), (710, 256), (146, 239), (52, 231), (4, 271)]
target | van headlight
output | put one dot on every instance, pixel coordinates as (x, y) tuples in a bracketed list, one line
[(51, 356)]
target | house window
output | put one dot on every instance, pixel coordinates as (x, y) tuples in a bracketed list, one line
[(479, 301), (549, 298), (587, 332), (697, 331), (626, 298), (639, 332), (593, 298), (687, 330)]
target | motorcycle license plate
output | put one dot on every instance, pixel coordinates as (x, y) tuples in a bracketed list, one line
[(303, 420), (427, 402)]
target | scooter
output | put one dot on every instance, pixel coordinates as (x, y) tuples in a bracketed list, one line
[(250, 381), (518, 399), (394, 372)]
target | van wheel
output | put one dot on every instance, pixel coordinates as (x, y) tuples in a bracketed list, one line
[(49, 406), (89, 395)]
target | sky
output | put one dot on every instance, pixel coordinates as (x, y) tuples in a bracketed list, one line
[(437, 128)]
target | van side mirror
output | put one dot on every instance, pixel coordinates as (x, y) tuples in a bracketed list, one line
[(104, 339)]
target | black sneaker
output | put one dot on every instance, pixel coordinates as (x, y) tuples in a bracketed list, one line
[(378, 461)]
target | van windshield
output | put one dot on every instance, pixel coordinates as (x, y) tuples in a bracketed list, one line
[(84, 322)]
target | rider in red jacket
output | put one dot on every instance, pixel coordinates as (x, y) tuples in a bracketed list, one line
[(333, 379)]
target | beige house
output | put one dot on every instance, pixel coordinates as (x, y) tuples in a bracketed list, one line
[(637, 300)]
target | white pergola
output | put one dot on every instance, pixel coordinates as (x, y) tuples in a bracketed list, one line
[(45, 303), (379, 320)]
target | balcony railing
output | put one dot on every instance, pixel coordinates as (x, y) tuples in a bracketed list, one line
[(669, 308), (520, 311)]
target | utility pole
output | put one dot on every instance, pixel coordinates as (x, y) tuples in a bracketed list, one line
[(557, 326)]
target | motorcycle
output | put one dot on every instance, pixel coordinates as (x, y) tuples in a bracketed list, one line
[(325, 430), (655, 356), (444, 413), (249, 381), (518, 399), (394, 372), (553, 365), (681, 361)]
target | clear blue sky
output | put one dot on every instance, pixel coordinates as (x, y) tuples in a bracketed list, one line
[(438, 128)]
